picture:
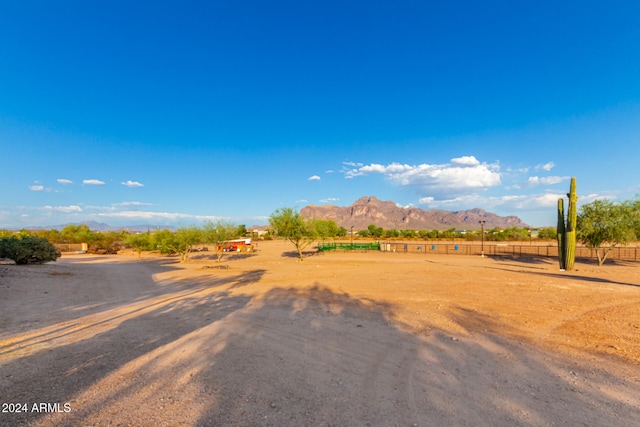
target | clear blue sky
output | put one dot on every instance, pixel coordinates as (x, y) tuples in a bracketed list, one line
[(170, 113)]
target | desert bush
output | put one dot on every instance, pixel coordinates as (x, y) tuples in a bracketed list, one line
[(28, 250), (106, 243), (548, 233)]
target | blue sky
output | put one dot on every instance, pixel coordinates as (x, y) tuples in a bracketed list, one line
[(171, 113)]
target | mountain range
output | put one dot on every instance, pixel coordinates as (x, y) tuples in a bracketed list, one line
[(100, 226), (365, 211), (388, 215)]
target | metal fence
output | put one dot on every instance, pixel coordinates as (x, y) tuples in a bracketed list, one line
[(489, 249), (334, 246)]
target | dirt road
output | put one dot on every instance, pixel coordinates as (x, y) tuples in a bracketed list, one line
[(339, 339)]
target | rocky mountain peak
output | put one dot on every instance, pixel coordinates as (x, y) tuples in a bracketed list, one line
[(386, 214)]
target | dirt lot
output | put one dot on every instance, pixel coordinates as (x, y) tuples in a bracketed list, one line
[(339, 339)]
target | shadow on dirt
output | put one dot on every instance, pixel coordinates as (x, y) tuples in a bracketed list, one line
[(56, 372), (525, 259), (317, 357), (587, 279), (540, 259), (308, 356), (567, 275), (609, 261), (295, 254), (226, 256)]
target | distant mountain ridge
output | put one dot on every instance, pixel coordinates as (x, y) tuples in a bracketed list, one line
[(100, 226), (388, 215)]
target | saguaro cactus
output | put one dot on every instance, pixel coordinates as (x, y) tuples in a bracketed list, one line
[(561, 235), (567, 230), (570, 229)]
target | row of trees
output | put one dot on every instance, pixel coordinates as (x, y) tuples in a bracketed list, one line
[(184, 239), (288, 224), (98, 242), (181, 241), (601, 225), (178, 241), (493, 234)]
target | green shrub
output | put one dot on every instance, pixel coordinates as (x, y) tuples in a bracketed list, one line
[(28, 250)]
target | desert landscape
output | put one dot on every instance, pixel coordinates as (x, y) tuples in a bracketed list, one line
[(342, 338)]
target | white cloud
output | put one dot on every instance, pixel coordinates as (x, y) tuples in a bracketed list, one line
[(132, 184), (350, 169), (353, 164), (545, 180), (314, 178), (507, 203), (329, 200), (36, 187), (407, 206), (465, 160), (64, 181), (92, 182), (65, 209), (123, 204), (550, 180), (546, 167), (533, 181), (596, 196), (464, 175), (157, 216), (534, 202), (376, 168)]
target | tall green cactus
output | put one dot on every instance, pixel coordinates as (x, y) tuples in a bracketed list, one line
[(570, 229), (561, 235), (567, 230)]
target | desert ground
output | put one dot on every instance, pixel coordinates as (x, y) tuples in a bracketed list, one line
[(340, 339)]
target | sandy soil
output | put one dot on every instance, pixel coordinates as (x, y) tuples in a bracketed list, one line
[(372, 338)]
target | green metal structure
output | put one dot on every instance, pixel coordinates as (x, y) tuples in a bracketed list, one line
[(333, 246)]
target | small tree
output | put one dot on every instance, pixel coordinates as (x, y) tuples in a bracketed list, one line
[(428, 234), (108, 242), (325, 228), (139, 241), (392, 233), (548, 233), (179, 242), (634, 212), (290, 225), (51, 235), (374, 231), (408, 234), (603, 224), (218, 233), (28, 250), (363, 233), (78, 234)]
